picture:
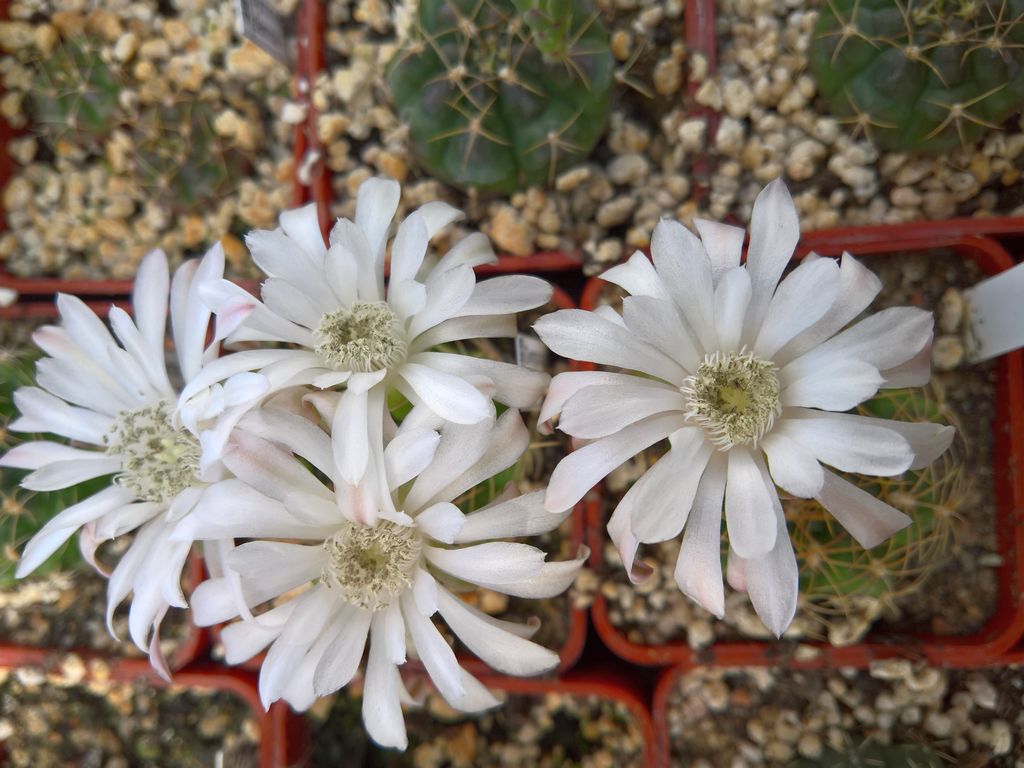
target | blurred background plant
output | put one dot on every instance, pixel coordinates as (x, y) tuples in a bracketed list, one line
[(23, 513), (501, 95), (921, 76)]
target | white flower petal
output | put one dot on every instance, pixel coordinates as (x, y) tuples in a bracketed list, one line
[(42, 412), (497, 562), (723, 243), (382, 707), (451, 398), (732, 297), (773, 581), (447, 292), (837, 385), (885, 340), (801, 300), (424, 592), (340, 660), (408, 454), (349, 244), (376, 203), (847, 442), (435, 653), (665, 493), (60, 528), (441, 521), (244, 639), (349, 436), (409, 248), (268, 467), (256, 561), (62, 474), (232, 509), (579, 335), (582, 469), (774, 233), (521, 516), (915, 372), (341, 270), (868, 519), (858, 287), (437, 215), (506, 295), (748, 505), (683, 265), (461, 446), (621, 533), (394, 631), (565, 385), (928, 441), (471, 327), (284, 299), (658, 322), (546, 580), (303, 226), (793, 467), (500, 649), (637, 277), (698, 569), (39, 453), (473, 250), (149, 299), (599, 411), (282, 661), (516, 386)]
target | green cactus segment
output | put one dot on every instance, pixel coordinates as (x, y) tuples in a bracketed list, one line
[(834, 569), (921, 76), (874, 754), (499, 96), (181, 157), (75, 95), (23, 513)]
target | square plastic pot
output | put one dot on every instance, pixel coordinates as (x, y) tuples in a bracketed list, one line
[(969, 239), (281, 732), (30, 290)]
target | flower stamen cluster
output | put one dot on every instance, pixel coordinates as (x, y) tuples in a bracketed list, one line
[(734, 396), (158, 461), (371, 565), (363, 338)]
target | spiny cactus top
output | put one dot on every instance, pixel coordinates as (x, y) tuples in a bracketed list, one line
[(924, 75), (501, 95)]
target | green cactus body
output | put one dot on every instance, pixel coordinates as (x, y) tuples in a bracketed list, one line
[(23, 513), (921, 76), (872, 753), (181, 157), (835, 571), (75, 95), (499, 96)]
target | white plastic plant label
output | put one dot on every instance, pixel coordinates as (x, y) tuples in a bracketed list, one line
[(995, 315), (260, 23)]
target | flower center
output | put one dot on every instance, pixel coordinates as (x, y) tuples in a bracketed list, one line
[(734, 396), (371, 564), (363, 338), (158, 461)]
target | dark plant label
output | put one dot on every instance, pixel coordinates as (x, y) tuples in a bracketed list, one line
[(264, 26)]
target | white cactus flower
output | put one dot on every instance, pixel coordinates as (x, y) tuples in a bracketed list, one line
[(744, 375), (342, 584)]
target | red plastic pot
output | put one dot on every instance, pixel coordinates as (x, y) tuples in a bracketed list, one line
[(1006, 626), (281, 732)]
